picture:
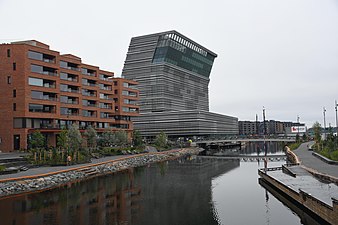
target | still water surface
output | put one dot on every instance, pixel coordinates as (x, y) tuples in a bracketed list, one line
[(190, 191)]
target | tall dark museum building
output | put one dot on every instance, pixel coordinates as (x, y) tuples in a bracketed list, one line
[(173, 75)]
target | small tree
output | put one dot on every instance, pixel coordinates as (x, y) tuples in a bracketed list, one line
[(121, 138), (305, 138), (161, 140), (107, 138), (137, 138), (63, 140), (37, 140), (75, 138), (91, 136), (317, 129)]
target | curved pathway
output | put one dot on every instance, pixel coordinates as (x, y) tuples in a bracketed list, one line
[(311, 161)]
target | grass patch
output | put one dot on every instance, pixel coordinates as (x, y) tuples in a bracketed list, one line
[(294, 146), (330, 155)]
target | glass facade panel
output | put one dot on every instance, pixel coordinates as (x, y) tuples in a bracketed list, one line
[(35, 81), (36, 68), (184, 54), (63, 64), (63, 87), (35, 55), (63, 99), (64, 111), (35, 108), (37, 94), (63, 76)]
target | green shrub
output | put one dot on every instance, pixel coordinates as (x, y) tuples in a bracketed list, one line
[(334, 155), (294, 146), (2, 168)]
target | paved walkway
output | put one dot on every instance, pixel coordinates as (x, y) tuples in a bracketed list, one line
[(310, 161), (49, 169)]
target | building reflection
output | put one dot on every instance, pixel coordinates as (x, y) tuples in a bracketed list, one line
[(104, 200), (175, 192), (183, 195)]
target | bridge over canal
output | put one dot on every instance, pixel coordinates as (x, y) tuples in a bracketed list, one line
[(241, 140)]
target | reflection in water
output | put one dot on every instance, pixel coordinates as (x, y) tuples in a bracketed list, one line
[(189, 191), (183, 194), (176, 192)]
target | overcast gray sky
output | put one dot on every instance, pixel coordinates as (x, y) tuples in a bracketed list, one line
[(280, 54)]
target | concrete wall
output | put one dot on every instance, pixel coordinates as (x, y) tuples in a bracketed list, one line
[(326, 212)]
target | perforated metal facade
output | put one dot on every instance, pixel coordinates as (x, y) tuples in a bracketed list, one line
[(173, 75)]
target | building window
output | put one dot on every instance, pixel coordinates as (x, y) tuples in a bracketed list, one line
[(14, 106), (14, 93), (9, 79), (8, 53), (14, 66), (35, 81), (35, 55)]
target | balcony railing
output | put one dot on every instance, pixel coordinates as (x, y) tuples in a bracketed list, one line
[(105, 107), (49, 73), (48, 60)]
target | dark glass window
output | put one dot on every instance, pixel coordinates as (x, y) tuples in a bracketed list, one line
[(9, 79), (35, 81), (35, 55), (64, 111), (14, 66), (63, 87), (40, 108), (14, 106), (37, 94), (36, 68), (35, 108), (63, 76), (63, 99), (14, 93), (63, 64), (8, 53)]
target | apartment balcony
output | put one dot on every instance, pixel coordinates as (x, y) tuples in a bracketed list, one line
[(88, 72), (105, 106), (69, 66), (87, 113), (44, 70), (105, 77), (50, 73), (68, 77), (69, 111), (105, 87), (41, 57), (37, 108)]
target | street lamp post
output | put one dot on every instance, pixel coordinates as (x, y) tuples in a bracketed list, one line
[(298, 127), (335, 107), (324, 111)]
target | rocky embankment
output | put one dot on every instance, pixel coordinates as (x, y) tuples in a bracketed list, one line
[(52, 180)]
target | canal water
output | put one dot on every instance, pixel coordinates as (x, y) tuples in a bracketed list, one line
[(189, 191)]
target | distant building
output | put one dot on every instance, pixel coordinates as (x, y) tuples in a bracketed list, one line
[(40, 89), (272, 127), (173, 75)]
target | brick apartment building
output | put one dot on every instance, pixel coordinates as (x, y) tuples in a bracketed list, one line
[(41, 89)]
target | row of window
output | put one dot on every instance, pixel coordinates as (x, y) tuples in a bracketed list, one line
[(185, 42), (70, 88), (73, 111), (48, 123)]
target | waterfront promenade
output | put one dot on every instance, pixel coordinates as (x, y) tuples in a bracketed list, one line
[(299, 182), (308, 160)]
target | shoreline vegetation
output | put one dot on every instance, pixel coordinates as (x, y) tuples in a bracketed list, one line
[(74, 147), (41, 182)]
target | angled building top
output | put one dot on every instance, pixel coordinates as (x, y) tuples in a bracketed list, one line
[(171, 48)]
